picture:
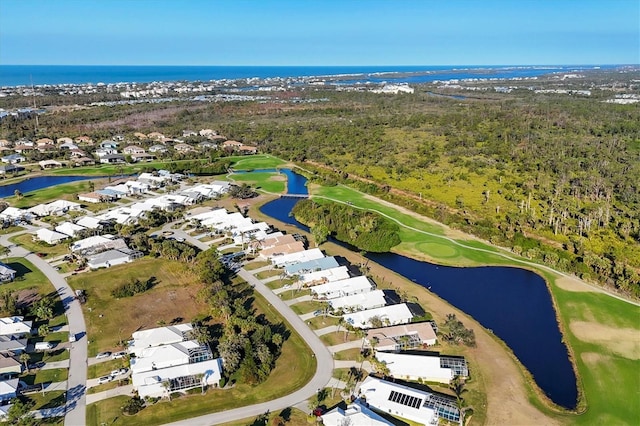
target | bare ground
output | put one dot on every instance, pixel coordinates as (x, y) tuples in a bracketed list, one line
[(574, 284), (622, 341)]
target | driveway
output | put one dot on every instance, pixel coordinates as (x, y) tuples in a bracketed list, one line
[(76, 382), (320, 380)]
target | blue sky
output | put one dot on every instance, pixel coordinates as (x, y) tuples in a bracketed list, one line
[(310, 32)]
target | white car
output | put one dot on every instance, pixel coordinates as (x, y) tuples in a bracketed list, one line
[(102, 355), (104, 379), (118, 355)]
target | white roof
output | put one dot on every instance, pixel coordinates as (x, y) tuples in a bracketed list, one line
[(388, 337), (410, 405), (361, 301), (14, 325), (89, 222), (59, 205), (49, 236), (69, 228), (163, 356), (149, 383), (5, 270), (40, 210), (299, 257), (335, 289), (13, 212), (327, 275), (414, 366), (9, 387), (392, 314), (88, 243), (356, 414), (122, 189), (158, 336), (210, 214)]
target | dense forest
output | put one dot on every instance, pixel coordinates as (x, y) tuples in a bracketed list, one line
[(552, 176), (364, 230)]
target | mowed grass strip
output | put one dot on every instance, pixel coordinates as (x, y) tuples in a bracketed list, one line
[(50, 251), (111, 320), (294, 368), (253, 162), (266, 181)]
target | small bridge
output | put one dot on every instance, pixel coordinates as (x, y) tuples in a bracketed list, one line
[(294, 195)]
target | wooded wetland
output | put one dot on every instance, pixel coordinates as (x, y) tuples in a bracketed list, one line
[(551, 176)]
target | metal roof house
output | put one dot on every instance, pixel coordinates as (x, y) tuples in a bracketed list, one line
[(355, 414), (6, 273), (423, 366), (399, 337), (359, 302), (390, 315), (311, 266), (348, 287)]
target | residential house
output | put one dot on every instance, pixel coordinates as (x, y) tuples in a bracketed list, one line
[(110, 258), (22, 149), (84, 140), (348, 287), (158, 149), (83, 161), (133, 149), (153, 337), (6, 273), (401, 337), (49, 164), (10, 169), (157, 136), (281, 250), (10, 367), (11, 347), (183, 147), (311, 266), (298, 257), (15, 215), (64, 140), (15, 327), (112, 159), (247, 149), (89, 222), (140, 136), (101, 152), (405, 402), (136, 158), (70, 229), (49, 236), (359, 302), (60, 207), (356, 414), (188, 133), (8, 390), (231, 145), (107, 144), (389, 315), (14, 159), (423, 366), (68, 146), (91, 197), (311, 279), (45, 141), (207, 145)]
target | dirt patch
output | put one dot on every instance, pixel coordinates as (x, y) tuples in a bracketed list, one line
[(574, 284), (592, 358), (27, 298), (621, 341), (278, 178)]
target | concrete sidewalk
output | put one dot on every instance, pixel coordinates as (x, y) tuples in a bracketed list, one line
[(99, 396)]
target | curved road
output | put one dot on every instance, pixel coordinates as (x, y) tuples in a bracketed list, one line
[(324, 358), (76, 383)]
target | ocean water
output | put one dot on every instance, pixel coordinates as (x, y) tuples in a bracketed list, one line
[(17, 75)]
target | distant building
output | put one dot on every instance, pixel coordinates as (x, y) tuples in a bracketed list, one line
[(6, 273)]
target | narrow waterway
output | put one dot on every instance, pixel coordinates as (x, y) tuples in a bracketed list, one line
[(513, 303), (39, 182)]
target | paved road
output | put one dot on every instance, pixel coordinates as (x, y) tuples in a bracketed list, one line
[(320, 379), (55, 364), (76, 382)]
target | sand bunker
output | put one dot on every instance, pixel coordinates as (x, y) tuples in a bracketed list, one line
[(574, 284), (621, 341)]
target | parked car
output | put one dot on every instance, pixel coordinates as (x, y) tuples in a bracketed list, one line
[(118, 355), (35, 365), (103, 355), (43, 346), (104, 379), (180, 240), (123, 371)]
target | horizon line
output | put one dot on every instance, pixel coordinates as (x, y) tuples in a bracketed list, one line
[(339, 65)]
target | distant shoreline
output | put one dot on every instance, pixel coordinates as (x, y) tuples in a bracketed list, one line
[(43, 75)]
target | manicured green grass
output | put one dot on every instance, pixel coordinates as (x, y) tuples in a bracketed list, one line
[(111, 169), (253, 162), (306, 307), (26, 241), (65, 191), (349, 354), (291, 416), (47, 400), (256, 265), (607, 377), (294, 294), (104, 368), (49, 356), (319, 322), (269, 182), (337, 338), (46, 376), (268, 274), (11, 230)]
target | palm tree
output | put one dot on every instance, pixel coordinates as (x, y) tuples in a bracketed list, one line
[(25, 358), (457, 386)]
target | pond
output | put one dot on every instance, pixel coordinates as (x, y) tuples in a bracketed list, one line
[(39, 182), (513, 303)]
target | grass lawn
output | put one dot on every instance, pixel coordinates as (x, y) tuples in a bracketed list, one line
[(46, 376), (337, 338), (11, 230), (265, 181), (349, 354), (111, 320), (306, 307), (111, 169), (288, 295), (50, 356), (269, 273), (104, 368), (294, 368), (319, 322), (47, 400), (26, 241), (252, 162), (108, 386), (256, 264), (28, 277), (65, 191)]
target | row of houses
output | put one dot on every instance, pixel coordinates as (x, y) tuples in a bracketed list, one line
[(14, 333), (165, 360)]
